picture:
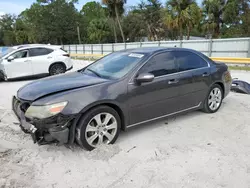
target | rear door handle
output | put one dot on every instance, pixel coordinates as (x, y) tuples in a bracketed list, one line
[(173, 81), (205, 74), (27, 61), (49, 57)]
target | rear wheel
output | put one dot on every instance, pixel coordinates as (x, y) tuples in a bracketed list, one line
[(100, 125), (213, 100), (57, 68)]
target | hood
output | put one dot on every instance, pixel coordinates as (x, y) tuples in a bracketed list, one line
[(54, 84)]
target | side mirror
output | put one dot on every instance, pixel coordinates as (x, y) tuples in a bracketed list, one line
[(10, 58), (145, 77)]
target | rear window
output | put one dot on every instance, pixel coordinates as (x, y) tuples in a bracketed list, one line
[(39, 51)]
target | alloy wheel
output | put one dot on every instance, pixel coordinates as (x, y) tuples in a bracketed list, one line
[(101, 129), (214, 99)]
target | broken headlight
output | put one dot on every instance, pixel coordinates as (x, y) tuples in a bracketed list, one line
[(45, 111)]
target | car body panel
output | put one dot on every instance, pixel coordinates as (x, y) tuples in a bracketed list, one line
[(18, 67), (49, 85), (149, 100)]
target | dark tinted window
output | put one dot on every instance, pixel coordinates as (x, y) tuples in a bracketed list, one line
[(188, 61), (160, 65), (39, 51)]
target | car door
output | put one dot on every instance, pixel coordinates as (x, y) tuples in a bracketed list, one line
[(40, 59), (194, 78), (159, 97), (20, 66)]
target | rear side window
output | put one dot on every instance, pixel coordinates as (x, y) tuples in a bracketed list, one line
[(188, 61), (39, 51), (160, 64)]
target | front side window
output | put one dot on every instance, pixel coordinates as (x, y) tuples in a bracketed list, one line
[(20, 54), (39, 51), (115, 65), (160, 65), (188, 61)]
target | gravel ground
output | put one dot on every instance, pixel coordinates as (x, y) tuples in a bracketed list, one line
[(192, 150)]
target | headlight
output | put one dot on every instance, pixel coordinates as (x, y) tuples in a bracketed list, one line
[(45, 111)]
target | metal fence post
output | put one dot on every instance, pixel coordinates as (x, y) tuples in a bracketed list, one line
[(159, 43), (91, 48), (83, 48), (69, 50), (125, 45), (140, 44), (180, 43), (248, 54), (76, 48), (210, 48), (102, 48), (112, 47)]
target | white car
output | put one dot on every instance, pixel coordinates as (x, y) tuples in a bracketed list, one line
[(29, 60)]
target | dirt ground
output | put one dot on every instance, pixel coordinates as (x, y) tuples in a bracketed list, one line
[(192, 150)]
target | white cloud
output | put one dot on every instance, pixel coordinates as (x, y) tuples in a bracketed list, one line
[(12, 8)]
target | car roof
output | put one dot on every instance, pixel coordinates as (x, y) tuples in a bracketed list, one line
[(153, 50), (36, 46)]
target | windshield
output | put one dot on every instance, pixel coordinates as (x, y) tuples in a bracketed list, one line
[(115, 65), (5, 52)]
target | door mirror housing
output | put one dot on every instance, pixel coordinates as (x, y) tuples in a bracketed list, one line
[(145, 77), (10, 58)]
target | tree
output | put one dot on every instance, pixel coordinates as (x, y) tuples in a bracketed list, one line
[(151, 13), (182, 14), (214, 10), (7, 27), (98, 30), (116, 8), (135, 27)]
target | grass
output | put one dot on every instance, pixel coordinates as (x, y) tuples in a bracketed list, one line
[(245, 68)]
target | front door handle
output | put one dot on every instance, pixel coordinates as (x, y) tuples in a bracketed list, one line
[(173, 81), (205, 74)]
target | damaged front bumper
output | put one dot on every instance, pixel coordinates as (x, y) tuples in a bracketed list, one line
[(43, 131)]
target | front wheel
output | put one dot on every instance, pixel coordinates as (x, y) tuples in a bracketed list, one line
[(101, 125), (213, 100)]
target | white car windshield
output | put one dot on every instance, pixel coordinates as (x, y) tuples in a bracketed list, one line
[(9, 50), (115, 65)]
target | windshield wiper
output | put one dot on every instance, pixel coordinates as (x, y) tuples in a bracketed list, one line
[(94, 72)]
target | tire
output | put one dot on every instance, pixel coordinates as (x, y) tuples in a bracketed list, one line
[(57, 68), (213, 99), (92, 130)]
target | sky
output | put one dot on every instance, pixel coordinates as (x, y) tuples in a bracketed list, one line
[(17, 6)]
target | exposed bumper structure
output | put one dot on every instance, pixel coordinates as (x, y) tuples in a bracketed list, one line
[(51, 130)]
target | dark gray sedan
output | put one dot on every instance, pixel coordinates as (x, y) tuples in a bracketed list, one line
[(121, 90)]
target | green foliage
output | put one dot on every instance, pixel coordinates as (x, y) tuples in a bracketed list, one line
[(57, 21)]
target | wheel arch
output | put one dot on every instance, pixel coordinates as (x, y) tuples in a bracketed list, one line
[(221, 85), (57, 62), (110, 104)]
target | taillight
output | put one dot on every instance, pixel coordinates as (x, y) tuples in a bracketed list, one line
[(67, 55), (228, 77)]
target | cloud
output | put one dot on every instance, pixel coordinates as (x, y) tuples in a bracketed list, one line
[(12, 8)]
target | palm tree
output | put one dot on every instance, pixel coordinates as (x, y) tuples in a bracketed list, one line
[(181, 13), (116, 9), (214, 10)]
